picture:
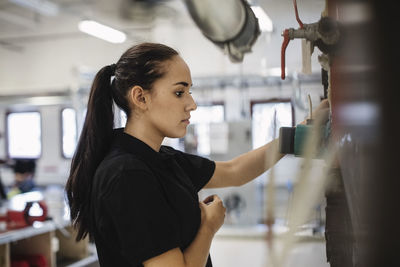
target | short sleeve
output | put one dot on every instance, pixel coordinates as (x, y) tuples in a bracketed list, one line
[(199, 169), (145, 224)]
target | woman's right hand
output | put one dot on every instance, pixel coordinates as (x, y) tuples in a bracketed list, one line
[(212, 213)]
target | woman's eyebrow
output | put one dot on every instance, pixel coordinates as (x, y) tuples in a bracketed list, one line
[(183, 83)]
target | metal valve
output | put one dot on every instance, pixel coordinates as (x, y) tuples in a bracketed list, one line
[(324, 34)]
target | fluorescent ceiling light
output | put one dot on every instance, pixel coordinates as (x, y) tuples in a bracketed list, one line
[(102, 31), (43, 7), (263, 19)]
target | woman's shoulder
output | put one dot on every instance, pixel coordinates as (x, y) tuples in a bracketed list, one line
[(169, 150), (118, 163), (119, 160)]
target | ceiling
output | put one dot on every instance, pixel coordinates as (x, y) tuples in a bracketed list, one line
[(21, 25)]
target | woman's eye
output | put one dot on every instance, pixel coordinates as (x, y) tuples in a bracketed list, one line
[(179, 93)]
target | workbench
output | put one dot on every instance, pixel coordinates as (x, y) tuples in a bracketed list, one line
[(49, 239)]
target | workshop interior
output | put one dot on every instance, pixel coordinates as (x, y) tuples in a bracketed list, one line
[(259, 69)]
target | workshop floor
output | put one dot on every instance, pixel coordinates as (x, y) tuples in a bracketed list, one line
[(250, 250), (246, 247)]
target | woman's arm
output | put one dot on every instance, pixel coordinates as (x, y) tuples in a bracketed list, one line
[(194, 256), (250, 165), (245, 167), (212, 217)]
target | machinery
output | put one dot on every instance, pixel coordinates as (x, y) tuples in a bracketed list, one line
[(359, 56), (324, 34), (229, 24)]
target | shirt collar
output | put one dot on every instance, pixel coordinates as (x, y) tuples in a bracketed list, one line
[(140, 149)]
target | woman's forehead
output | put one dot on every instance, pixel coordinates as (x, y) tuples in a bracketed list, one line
[(177, 71)]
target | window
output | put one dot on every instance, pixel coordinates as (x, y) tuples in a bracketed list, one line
[(267, 118), (201, 118), (69, 132), (24, 135)]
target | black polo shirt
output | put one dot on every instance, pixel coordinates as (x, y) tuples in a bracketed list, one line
[(146, 202)]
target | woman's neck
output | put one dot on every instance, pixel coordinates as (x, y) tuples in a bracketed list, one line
[(141, 132)]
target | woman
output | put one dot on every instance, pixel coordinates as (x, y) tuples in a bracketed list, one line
[(136, 198)]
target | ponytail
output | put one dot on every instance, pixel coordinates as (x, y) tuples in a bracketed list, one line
[(94, 143)]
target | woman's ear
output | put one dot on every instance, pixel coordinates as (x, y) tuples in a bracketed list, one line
[(137, 96)]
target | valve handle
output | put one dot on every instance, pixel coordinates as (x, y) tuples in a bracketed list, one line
[(286, 40), (285, 43)]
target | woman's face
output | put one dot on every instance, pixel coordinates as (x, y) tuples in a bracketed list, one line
[(171, 101)]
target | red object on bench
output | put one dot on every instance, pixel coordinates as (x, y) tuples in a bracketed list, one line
[(35, 260)]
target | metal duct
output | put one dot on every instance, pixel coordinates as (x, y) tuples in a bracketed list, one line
[(230, 24)]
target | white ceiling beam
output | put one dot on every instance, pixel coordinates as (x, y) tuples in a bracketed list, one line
[(43, 7), (17, 20)]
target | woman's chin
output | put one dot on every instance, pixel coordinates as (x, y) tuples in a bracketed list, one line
[(177, 135)]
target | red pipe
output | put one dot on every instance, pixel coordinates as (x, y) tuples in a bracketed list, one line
[(285, 43), (297, 14)]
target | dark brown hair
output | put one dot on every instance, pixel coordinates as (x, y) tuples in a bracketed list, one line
[(140, 65)]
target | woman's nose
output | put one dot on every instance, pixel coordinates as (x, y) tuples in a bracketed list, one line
[(191, 105)]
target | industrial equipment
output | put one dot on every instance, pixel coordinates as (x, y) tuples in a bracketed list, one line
[(229, 24)]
